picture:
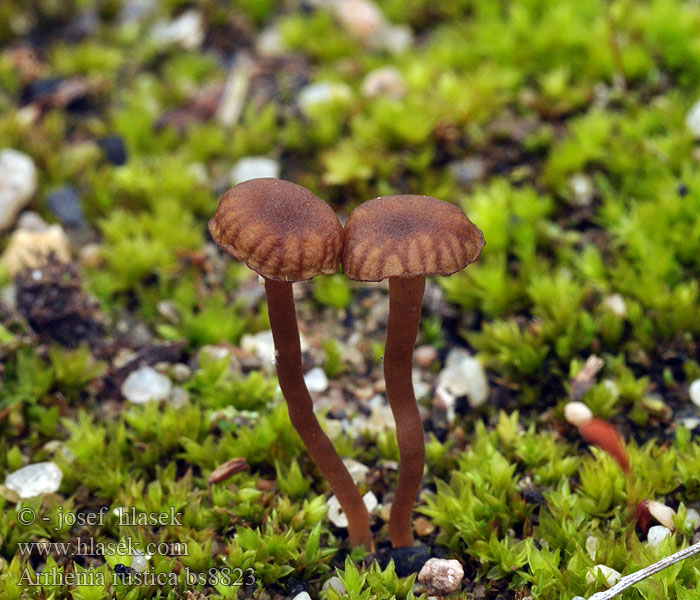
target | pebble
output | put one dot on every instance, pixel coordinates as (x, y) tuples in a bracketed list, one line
[(181, 372), (662, 513), (114, 149), (179, 397), (468, 171), (34, 480), (254, 167), (692, 120), (577, 413), (336, 584), (425, 356), (385, 81), (269, 42), (423, 527), (336, 514), (18, 181), (302, 596), (135, 11), (616, 304), (359, 18), (316, 380), (187, 30), (442, 575), (64, 203), (262, 346), (393, 38), (591, 546), (139, 561), (357, 470), (31, 249), (657, 534), (322, 93), (581, 186), (90, 255), (692, 519), (611, 575), (464, 375), (169, 311), (694, 392), (31, 221), (145, 384)]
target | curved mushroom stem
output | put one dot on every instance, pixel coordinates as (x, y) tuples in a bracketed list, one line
[(405, 299), (285, 333)]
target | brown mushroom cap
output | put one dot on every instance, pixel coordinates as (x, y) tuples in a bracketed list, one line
[(279, 229), (405, 236)]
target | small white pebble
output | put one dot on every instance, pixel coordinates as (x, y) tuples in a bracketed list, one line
[(694, 392), (34, 480), (692, 519), (336, 514), (692, 119), (442, 575), (336, 584), (254, 167), (357, 470), (657, 534), (577, 413), (616, 304), (316, 380), (145, 384), (591, 546), (662, 513), (611, 575), (302, 596), (139, 561)]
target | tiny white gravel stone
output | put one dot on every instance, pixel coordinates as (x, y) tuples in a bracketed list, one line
[(18, 181), (692, 119), (336, 514), (385, 81), (611, 575), (254, 167), (139, 561), (34, 480), (357, 470), (662, 513), (316, 380), (657, 534), (464, 375), (442, 575), (146, 384), (302, 596), (336, 584), (577, 413), (187, 30), (694, 392), (692, 519), (591, 546), (616, 304), (322, 93)]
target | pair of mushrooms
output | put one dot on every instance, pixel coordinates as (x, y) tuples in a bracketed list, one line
[(287, 234)]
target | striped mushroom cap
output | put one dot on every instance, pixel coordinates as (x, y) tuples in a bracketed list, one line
[(405, 236), (279, 229)]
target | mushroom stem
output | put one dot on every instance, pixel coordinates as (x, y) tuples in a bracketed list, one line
[(285, 333), (405, 299)]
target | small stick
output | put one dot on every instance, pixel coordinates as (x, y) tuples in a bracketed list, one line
[(637, 576)]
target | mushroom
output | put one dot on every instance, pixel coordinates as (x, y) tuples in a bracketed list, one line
[(406, 238), (286, 234)]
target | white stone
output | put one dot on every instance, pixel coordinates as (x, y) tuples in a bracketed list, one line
[(323, 92), (692, 519), (336, 514), (694, 392), (34, 480), (146, 384), (394, 38), (316, 380), (269, 42), (31, 249), (591, 546), (464, 375), (657, 534), (302, 596), (357, 470), (616, 304), (581, 187), (385, 81), (420, 388), (254, 167), (611, 575), (187, 30), (662, 513), (262, 346), (336, 584), (18, 182), (577, 413), (692, 119), (179, 397), (442, 575), (360, 18), (139, 561)]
